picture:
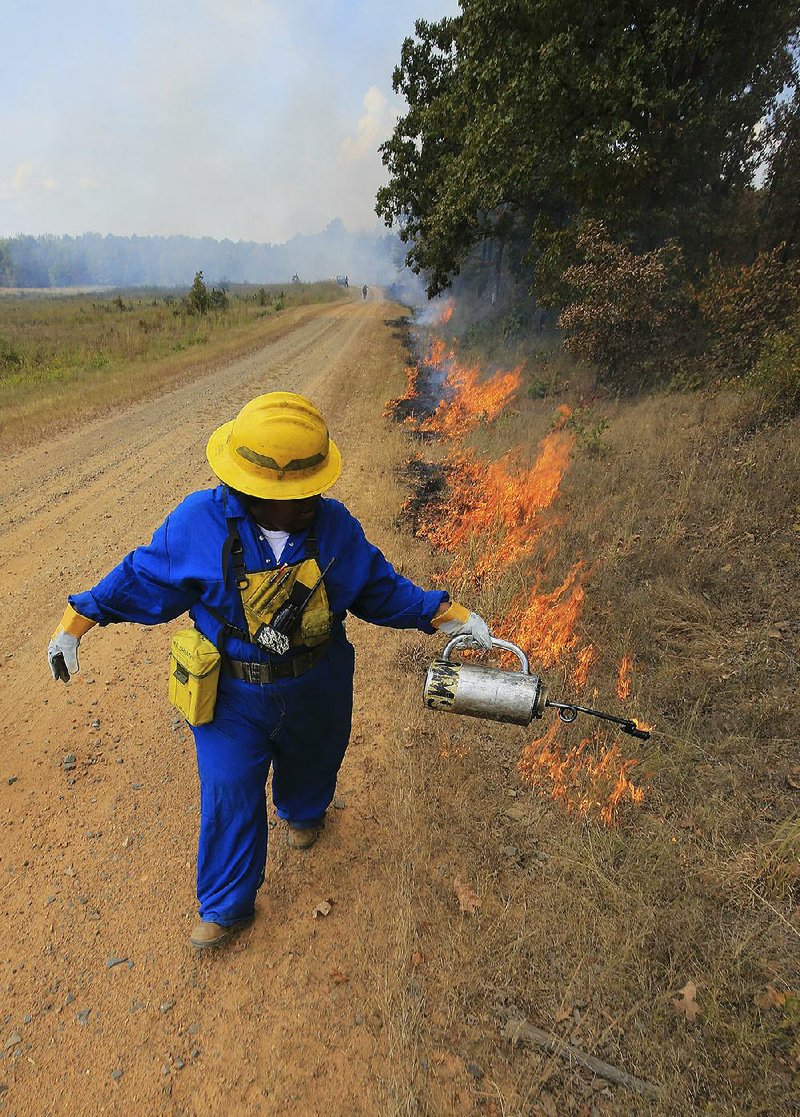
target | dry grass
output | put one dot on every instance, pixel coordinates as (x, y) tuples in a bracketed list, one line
[(66, 359), (683, 511)]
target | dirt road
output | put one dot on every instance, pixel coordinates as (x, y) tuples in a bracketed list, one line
[(105, 1008)]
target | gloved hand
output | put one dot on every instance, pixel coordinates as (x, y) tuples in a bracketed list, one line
[(62, 651), (455, 620)]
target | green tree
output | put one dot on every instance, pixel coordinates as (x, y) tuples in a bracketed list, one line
[(782, 210), (532, 113), (198, 300), (6, 265)]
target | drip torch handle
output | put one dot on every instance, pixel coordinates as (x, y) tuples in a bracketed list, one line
[(466, 641)]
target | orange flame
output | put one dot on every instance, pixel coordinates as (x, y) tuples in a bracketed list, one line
[(472, 401), (498, 506), (447, 313), (580, 672), (438, 353), (591, 778), (492, 518), (624, 678), (544, 623)]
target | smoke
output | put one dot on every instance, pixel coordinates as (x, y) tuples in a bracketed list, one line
[(246, 119)]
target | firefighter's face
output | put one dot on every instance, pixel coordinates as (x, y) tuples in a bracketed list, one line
[(285, 515)]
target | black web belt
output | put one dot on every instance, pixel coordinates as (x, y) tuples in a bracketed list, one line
[(263, 673)]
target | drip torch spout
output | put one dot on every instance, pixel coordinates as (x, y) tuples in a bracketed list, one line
[(568, 712)]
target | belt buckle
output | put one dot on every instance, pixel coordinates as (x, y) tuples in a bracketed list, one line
[(252, 672)]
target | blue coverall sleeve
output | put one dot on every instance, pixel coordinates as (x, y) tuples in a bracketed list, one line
[(381, 595), (149, 586)]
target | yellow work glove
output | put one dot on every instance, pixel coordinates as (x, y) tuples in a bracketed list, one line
[(454, 620), (62, 651)]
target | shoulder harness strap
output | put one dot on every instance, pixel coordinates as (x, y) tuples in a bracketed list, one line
[(312, 546), (232, 555)]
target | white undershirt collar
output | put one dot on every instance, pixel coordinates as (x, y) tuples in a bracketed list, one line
[(276, 539)]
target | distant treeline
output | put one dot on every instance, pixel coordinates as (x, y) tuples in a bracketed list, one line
[(95, 260)]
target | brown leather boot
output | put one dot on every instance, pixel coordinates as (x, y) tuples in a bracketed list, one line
[(303, 838), (205, 933)]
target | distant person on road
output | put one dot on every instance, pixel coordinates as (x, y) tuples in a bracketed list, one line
[(364, 290), (268, 569)]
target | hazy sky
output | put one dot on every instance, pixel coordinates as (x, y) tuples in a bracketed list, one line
[(248, 119)]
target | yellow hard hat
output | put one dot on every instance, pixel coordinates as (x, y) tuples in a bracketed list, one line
[(277, 448)]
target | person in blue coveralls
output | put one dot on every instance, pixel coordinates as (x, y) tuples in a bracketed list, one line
[(267, 568)]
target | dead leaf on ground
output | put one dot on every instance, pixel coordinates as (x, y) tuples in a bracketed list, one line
[(468, 899), (337, 977), (322, 908), (769, 997), (685, 1004), (417, 958), (563, 1013), (793, 778)]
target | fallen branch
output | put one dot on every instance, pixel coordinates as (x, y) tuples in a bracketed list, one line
[(520, 1031)]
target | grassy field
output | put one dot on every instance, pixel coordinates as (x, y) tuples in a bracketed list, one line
[(665, 943), (64, 357)]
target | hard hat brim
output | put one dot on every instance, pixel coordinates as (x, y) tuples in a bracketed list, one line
[(292, 486)]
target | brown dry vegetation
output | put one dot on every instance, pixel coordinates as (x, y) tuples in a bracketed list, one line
[(685, 513), (66, 359)]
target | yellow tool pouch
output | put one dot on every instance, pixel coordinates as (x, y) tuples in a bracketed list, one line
[(193, 675), (267, 590)]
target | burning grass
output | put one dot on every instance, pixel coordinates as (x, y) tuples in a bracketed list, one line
[(496, 505), (674, 565), (488, 516), (592, 777), (471, 400)]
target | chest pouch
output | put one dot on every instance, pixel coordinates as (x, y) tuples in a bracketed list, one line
[(269, 590), (194, 665)]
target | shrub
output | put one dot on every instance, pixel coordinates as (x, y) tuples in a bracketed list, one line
[(743, 305), (218, 299), (630, 313), (588, 430), (513, 327), (776, 373)]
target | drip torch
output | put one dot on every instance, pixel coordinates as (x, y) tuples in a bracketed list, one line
[(517, 697)]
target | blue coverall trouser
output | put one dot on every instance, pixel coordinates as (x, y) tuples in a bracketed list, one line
[(298, 726)]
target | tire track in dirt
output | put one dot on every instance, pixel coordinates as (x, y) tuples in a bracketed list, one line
[(97, 862)]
